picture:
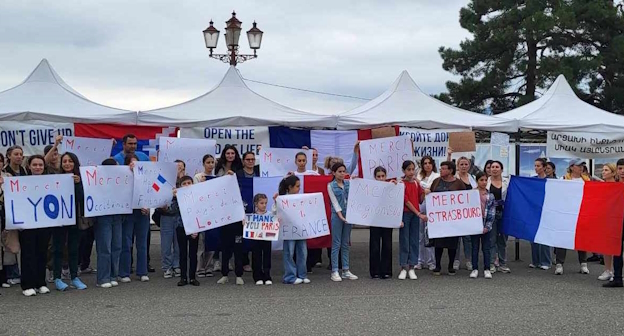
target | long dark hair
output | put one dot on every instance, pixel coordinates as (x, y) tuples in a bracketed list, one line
[(421, 173), (287, 183), (237, 164), (74, 158), (337, 166)]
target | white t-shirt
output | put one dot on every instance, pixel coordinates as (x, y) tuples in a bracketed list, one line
[(307, 172)]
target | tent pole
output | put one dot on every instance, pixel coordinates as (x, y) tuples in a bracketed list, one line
[(517, 144)]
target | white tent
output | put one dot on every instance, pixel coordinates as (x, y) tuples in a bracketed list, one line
[(559, 109), (405, 104), (44, 96), (232, 103)]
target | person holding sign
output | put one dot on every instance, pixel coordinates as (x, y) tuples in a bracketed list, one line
[(15, 157), (408, 234), (230, 160), (69, 236), (204, 256), (497, 185), (463, 167), (540, 254), (380, 243), (338, 191), (209, 164), (188, 244), (302, 161), (427, 174), (261, 249), (488, 210), (446, 182)]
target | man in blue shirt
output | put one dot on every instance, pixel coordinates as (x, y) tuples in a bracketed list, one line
[(129, 147)]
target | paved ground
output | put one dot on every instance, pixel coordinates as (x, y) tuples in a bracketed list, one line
[(524, 302)]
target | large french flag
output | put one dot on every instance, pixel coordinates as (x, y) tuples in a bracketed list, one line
[(585, 216)]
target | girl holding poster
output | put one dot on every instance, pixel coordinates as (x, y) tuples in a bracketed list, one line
[(380, 243), (230, 160), (408, 234), (205, 256), (497, 185), (463, 168), (488, 210), (261, 249), (427, 174), (338, 190), (187, 244)]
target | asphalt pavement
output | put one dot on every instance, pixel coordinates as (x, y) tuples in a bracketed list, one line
[(525, 302)]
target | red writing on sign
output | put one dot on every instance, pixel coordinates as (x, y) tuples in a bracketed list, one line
[(452, 199)]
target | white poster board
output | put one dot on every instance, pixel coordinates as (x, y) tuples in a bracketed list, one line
[(211, 204), (454, 213), (280, 161), (32, 202), (389, 153), (190, 151), (584, 145), (302, 216), (90, 151), (153, 184), (107, 190), (375, 203), (261, 227)]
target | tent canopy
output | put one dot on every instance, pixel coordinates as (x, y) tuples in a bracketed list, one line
[(44, 96), (559, 109), (232, 103), (405, 104)]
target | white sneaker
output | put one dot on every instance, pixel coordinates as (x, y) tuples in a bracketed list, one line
[(335, 277), (306, 281), (531, 265), (114, 283), (504, 269), (43, 290), (259, 283), (559, 269), (403, 274), (15, 281), (223, 280), (268, 283), (125, 279), (418, 267), (29, 292), (487, 274), (217, 266), (240, 281), (6, 285), (412, 274), (456, 265), (168, 274), (431, 267), (492, 269), (469, 265), (584, 269), (605, 276), (474, 274), (298, 281), (105, 285), (144, 278), (348, 275), (544, 267)]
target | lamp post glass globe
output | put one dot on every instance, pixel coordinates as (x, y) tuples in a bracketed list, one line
[(211, 36), (232, 29), (254, 35)]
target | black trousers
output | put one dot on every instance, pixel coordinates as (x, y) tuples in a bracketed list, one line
[(261, 260), (87, 237), (438, 256), (34, 255), (188, 253), (66, 236), (314, 256), (380, 252), (232, 242)]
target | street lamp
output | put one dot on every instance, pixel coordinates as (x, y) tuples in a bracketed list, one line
[(232, 35)]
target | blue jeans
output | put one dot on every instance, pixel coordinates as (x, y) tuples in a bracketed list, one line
[(341, 237), (293, 271), (484, 240), (466, 241), (408, 240), (498, 241), (135, 224), (541, 255), (426, 255), (108, 247), (169, 250)]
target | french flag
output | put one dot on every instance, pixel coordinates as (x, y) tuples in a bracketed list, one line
[(160, 182), (584, 216)]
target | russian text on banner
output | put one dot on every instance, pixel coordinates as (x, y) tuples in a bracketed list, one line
[(432, 143), (190, 151), (375, 203), (567, 214), (261, 227), (245, 139), (280, 161), (32, 202), (153, 184), (211, 204), (107, 190), (454, 214), (584, 145), (90, 151), (389, 153), (302, 216)]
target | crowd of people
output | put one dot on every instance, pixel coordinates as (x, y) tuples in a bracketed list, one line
[(61, 254)]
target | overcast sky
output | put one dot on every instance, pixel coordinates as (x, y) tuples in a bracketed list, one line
[(141, 54)]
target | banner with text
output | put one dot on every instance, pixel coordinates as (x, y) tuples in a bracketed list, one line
[(261, 227), (190, 151), (386, 152), (153, 184), (211, 204), (108, 190), (90, 151), (375, 203), (32, 202), (32, 136), (302, 216), (584, 145), (280, 161), (432, 143), (245, 139), (454, 213)]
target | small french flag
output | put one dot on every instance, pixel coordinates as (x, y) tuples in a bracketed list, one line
[(160, 181), (249, 234), (585, 216)]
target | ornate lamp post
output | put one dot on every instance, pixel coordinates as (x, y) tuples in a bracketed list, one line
[(232, 35)]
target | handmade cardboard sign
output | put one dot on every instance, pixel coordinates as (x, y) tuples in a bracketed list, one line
[(190, 151), (261, 227), (389, 153), (280, 161), (302, 216), (90, 151), (462, 142), (454, 213), (107, 190), (153, 184), (375, 203)]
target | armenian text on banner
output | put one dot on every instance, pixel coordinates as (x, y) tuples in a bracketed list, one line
[(584, 145)]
